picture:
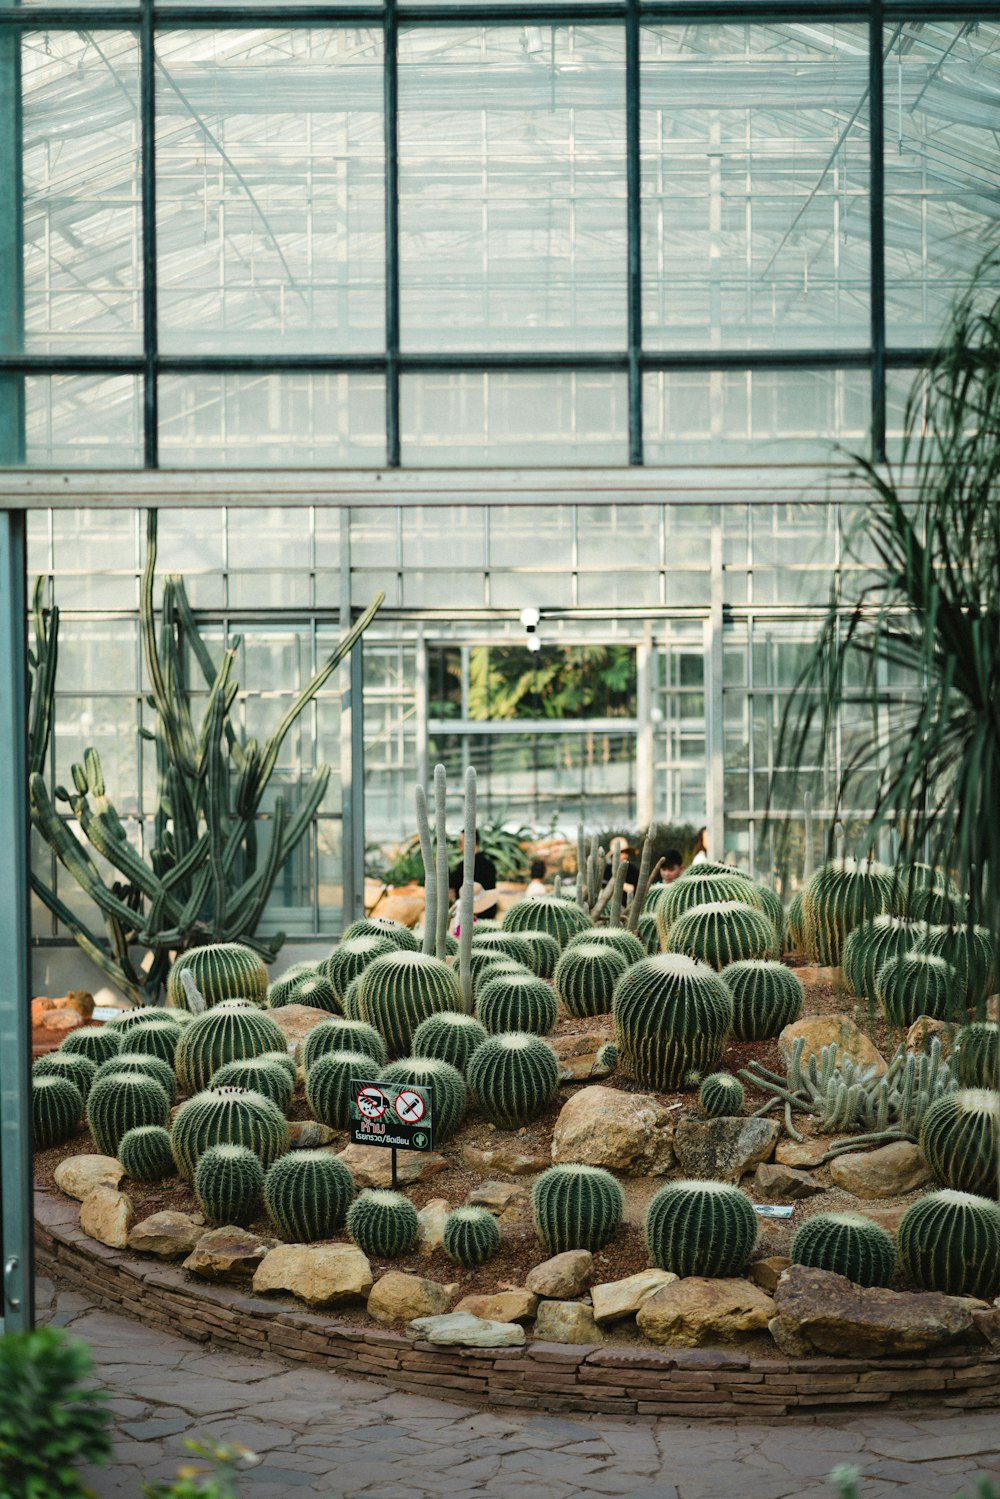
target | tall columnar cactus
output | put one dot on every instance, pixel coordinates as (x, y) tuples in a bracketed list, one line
[(397, 992), (130, 1061), (918, 983), (429, 930), (307, 1195), (721, 1095), (543, 952), (795, 939), (230, 1032), (516, 1002), (56, 1110), (350, 958), (314, 990), (960, 1141), (978, 1054), (842, 895), (766, 998), (501, 944), (562, 919), (227, 1116), (586, 975), (448, 1092), (513, 1078), (700, 1228), (343, 1035), (121, 1101), (972, 953), (384, 1225), (576, 1207), (873, 945), (449, 1037), (277, 989), (94, 1041), (259, 1075), (80, 1070), (723, 932), (616, 937), (228, 1181), (693, 890), (395, 932), (145, 1153), (950, 1242), (156, 1035), (328, 1084), (671, 1017), (223, 970), (471, 1236), (846, 1244)]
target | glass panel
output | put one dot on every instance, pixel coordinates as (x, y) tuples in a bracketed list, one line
[(95, 559), (510, 682), (82, 261), (83, 421), (98, 656), (541, 779), (266, 546), (270, 216), (519, 533), (619, 536), (755, 186), (390, 712), (512, 187), (444, 537), (109, 725)]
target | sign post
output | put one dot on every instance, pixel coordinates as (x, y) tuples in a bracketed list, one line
[(395, 1116)]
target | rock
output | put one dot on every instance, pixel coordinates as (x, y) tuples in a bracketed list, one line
[(318, 1274), (431, 1217), (617, 1299), (627, 1132), (987, 1325), (890, 1171), (887, 1218), (506, 1158), (78, 1175), (801, 1154), (80, 1000), (827, 1313), (566, 1322), (309, 1134), (466, 1330), (371, 1165), (227, 1253), (51, 1019), (106, 1215), (829, 1030), (784, 1184), (403, 903), (767, 1272), (923, 1031), (503, 1306), (397, 1297), (563, 1276), (694, 1311), (725, 1148), (296, 1021), (494, 1195), (578, 1054), (168, 1235)]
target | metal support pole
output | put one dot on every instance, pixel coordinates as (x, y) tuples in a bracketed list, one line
[(391, 86), (16, 1211), (11, 246), (876, 106), (634, 214), (150, 336), (715, 819)]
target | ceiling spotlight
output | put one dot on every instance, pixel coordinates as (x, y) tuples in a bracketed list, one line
[(530, 618), (534, 644)]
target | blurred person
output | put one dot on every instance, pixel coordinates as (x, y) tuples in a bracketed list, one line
[(672, 866), (700, 855), (536, 885), (484, 877)]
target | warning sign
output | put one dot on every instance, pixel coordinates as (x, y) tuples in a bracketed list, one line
[(397, 1115)]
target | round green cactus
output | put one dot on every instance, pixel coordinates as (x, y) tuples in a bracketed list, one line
[(230, 1032), (451, 1037), (928, 895), (543, 952), (846, 1244), (351, 998), (977, 1048), (397, 992), (228, 1181), (314, 990), (157, 1036), (80, 1070), (329, 1090), (485, 964), (471, 1236), (503, 945), (840, 896), (721, 1095), (960, 1140), (722, 933), (56, 1110), (795, 939), (277, 990), (222, 970), (121, 1101), (671, 1017), (145, 1153), (384, 1225), (712, 867), (227, 1116), (513, 1078), (450, 942), (870, 947), (516, 1002), (380, 926), (918, 983), (282, 1059), (972, 954), (260, 1075), (950, 1242), (700, 1228), (448, 1092), (576, 1207), (649, 933), (562, 919), (343, 1035), (130, 1061), (97, 1042), (615, 937), (307, 1195), (607, 1055), (586, 975), (771, 905), (694, 890), (349, 959), (766, 998)]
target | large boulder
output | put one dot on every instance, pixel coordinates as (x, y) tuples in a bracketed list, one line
[(724, 1148), (227, 1253), (801, 1154), (296, 1021), (617, 1299), (627, 1132), (776, 1183), (925, 1029), (890, 1171), (831, 1030), (577, 1053), (371, 1165), (563, 1276), (695, 1310), (466, 1331), (107, 1215), (78, 1175), (168, 1235), (318, 1274), (519, 1305), (817, 1311), (566, 1322), (398, 1297)]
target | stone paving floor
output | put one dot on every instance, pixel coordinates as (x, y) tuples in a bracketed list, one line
[(321, 1433)]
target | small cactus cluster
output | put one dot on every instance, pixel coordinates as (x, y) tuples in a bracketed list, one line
[(351, 957), (447, 1085), (77, 1068), (261, 1074), (228, 1181), (607, 1055), (949, 1241), (396, 992), (121, 1101), (328, 1084), (562, 919), (278, 990), (627, 943), (155, 1032), (722, 933), (795, 923), (56, 1110), (450, 1037), (700, 1228), (381, 926), (697, 889), (971, 953), (586, 975), (227, 1116), (471, 1236), (543, 952), (145, 1153), (872, 947), (516, 1002), (977, 1048), (307, 1195), (671, 1017), (915, 984), (231, 1031), (343, 1035), (847, 1244), (131, 1061), (767, 996), (222, 970), (839, 897), (960, 1141), (576, 1207), (96, 1042), (721, 1095), (383, 1224), (314, 990), (505, 945), (513, 1078)]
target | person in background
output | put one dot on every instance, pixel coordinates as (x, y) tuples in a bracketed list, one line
[(700, 855), (484, 878), (672, 866), (626, 856), (536, 885)]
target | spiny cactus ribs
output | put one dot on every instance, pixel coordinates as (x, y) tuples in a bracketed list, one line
[(671, 1017), (700, 1228), (847, 1244), (512, 1078), (950, 1241), (384, 1225), (576, 1207), (228, 1181), (222, 970), (307, 1195), (471, 1236)]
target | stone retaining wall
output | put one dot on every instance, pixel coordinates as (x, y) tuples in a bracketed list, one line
[(623, 1381)]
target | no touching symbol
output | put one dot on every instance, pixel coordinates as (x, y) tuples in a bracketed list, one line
[(371, 1103), (409, 1107)]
